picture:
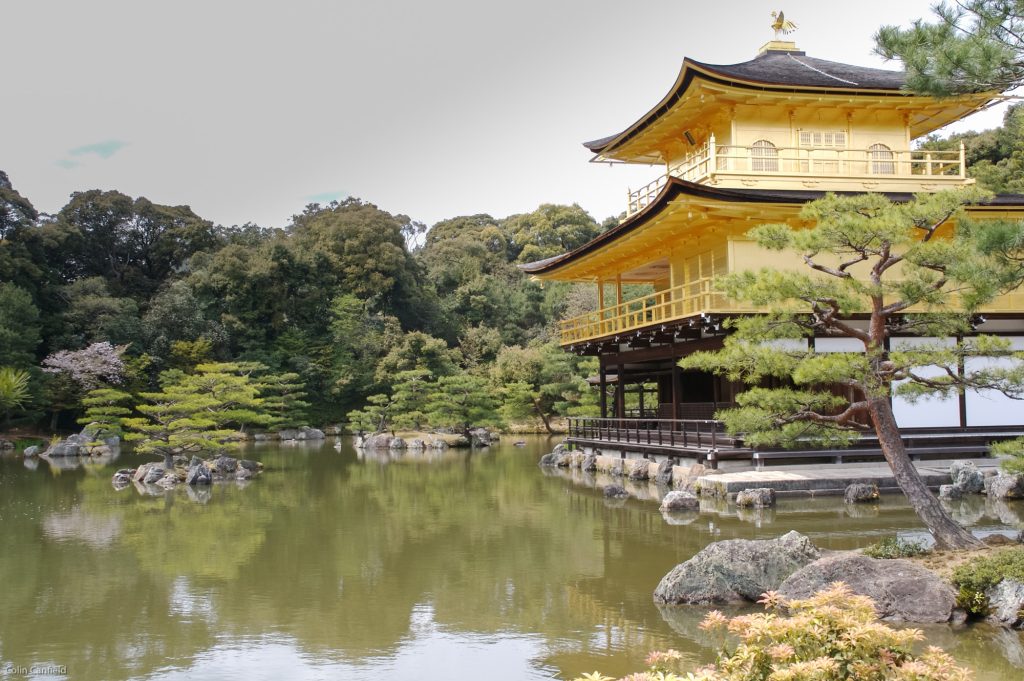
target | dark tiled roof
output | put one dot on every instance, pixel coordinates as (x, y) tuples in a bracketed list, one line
[(799, 70), (677, 187), (785, 69)]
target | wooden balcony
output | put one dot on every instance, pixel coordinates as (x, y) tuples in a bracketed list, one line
[(673, 304), (696, 299), (824, 168)]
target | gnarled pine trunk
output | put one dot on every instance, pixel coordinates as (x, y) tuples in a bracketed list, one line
[(947, 532)]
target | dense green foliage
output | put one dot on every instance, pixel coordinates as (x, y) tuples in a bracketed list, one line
[(337, 305), (995, 158), (974, 46), (979, 574)]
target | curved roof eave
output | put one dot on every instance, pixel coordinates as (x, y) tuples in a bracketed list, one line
[(786, 71), (676, 187)]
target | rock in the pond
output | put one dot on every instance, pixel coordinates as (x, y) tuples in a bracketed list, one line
[(250, 465), (262, 437), (519, 443), (615, 492), (153, 475), (438, 444), (589, 464), (1005, 486), (307, 433), (860, 493), (1006, 603), (639, 469), (140, 472), (663, 476), (288, 434), (6, 445), (969, 478), (680, 501), (122, 478), (31, 451), (759, 497), (396, 443), (416, 443), (180, 460), (243, 474), (564, 459), (902, 590), (333, 429), (736, 570), (198, 474), (168, 481), (225, 464), (73, 445), (950, 492), (377, 441), (480, 437)]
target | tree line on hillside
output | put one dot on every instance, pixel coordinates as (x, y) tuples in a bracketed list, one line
[(115, 292)]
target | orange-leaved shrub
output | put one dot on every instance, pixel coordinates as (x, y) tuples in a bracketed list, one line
[(832, 636)]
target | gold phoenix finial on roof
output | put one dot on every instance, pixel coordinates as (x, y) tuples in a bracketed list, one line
[(780, 25)]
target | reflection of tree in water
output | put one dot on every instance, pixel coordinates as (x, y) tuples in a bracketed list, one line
[(338, 554)]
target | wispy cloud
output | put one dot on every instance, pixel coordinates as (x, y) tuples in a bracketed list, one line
[(67, 163), (326, 197), (104, 149)]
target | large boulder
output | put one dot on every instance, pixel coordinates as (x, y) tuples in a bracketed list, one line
[(307, 433), (663, 476), (639, 469), (480, 437), (1006, 603), (31, 451), (140, 472), (396, 443), (736, 570), (198, 474), (72, 445), (968, 478), (554, 456), (902, 590), (288, 434), (589, 464), (249, 465), (680, 501), (860, 493), (759, 497), (1004, 486), (153, 475), (378, 441), (225, 464), (416, 443)]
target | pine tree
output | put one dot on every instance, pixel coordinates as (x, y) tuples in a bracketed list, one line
[(198, 413), (901, 269), (106, 409), (373, 418), (409, 397), (462, 401), (283, 398)]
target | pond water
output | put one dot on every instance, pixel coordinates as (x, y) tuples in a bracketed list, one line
[(336, 565)]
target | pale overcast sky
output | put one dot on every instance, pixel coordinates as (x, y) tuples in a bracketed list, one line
[(248, 110)]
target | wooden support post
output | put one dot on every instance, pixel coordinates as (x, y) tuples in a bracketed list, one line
[(675, 391), (620, 394), (604, 391)]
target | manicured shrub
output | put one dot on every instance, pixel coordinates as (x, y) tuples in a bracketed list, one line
[(831, 636), (977, 575), (894, 547)]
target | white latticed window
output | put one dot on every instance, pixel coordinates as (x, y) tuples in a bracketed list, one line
[(764, 157), (819, 139), (881, 160)]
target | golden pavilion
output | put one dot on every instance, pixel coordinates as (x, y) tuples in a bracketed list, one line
[(739, 145)]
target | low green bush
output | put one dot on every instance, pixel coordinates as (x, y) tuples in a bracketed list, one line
[(976, 576), (894, 547)]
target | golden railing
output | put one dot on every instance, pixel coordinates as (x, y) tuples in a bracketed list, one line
[(818, 162), (671, 304), (691, 300)]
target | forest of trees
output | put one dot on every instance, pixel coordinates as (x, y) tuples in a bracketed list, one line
[(342, 305)]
